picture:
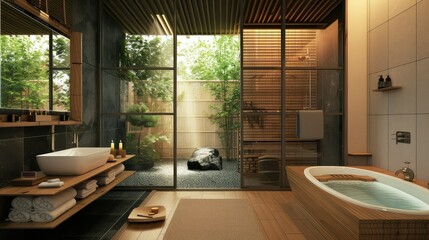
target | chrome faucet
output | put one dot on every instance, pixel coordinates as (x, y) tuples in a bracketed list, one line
[(408, 173), (76, 139)]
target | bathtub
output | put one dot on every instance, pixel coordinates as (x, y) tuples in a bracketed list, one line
[(387, 193), (342, 216)]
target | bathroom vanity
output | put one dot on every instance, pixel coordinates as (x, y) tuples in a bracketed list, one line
[(9, 192)]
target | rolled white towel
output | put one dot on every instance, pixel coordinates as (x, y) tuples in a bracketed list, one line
[(108, 173), (85, 193), (88, 184), (47, 203), (119, 168), (48, 216), (101, 181), (51, 184), (19, 215), (25, 203)]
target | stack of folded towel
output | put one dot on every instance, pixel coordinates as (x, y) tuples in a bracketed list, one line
[(48, 208), (86, 188), (21, 209), (118, 169), (41, 208), (106, 177)]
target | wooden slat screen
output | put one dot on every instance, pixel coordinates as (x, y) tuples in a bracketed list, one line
[(262, 94)]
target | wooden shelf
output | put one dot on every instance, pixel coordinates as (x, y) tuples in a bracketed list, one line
[(34, 124), (360, 154), (7, 193), (387, 89), (80, 204), (69, 181)]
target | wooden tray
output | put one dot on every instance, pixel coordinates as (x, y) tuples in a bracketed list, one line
[(27, 181), (160, 216), (330, 177)]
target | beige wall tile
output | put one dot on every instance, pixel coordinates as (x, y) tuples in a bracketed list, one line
[(423, 29), (402, 152), (422, 147), (378, 49), (402, 38), (378, 140), (423, 86), (403, 101), (398, 6), (378, 12), (378, 101)]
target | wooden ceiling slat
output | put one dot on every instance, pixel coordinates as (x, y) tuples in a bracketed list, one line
[(161, 11), (202, 16), (138, 15), (185, 17), (215, 23), (223, 16), (304, 10), (119, 10), (208, 15), (198, 16), (325, 10), (152, 11), (169, 10)]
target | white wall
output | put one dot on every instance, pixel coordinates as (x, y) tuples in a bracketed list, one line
[(398, 45)]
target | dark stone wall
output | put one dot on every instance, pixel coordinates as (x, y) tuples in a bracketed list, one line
[(19, 146)]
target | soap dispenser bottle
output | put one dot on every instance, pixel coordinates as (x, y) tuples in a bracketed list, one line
[(388, 82), (380, 82)]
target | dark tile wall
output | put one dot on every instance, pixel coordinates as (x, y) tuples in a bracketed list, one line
[(19, 146), (112, 37)]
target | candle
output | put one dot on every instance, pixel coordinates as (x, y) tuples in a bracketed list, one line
[(112, 146), (120, 145)]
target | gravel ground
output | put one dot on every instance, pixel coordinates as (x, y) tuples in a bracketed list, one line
[(162, 175)]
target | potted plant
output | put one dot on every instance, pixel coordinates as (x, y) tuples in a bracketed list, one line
[(142, 146)]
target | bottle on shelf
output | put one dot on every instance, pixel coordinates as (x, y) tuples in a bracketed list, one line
[(388, 82), (381, 83)]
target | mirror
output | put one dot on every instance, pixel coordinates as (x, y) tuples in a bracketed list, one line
[(35, 64)]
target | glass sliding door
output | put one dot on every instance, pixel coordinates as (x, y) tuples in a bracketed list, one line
[(277, 86), (139, 89), (261, 108), (208, 95)]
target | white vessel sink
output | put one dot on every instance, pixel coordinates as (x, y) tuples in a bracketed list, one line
[(73, 161)]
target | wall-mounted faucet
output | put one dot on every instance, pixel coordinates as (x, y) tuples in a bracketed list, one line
[(402, 137), (408, 173), (76, 139)]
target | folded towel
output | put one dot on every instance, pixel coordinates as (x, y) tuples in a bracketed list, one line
[(119, 168), (48, 216), (80, 191), (108, 173), (85, 193), (101, 181), (310, 124), (19, 215), (88, 184), (24, 203), (48, 203), (51, 184)]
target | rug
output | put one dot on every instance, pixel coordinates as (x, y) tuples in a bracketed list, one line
[(214, 219)]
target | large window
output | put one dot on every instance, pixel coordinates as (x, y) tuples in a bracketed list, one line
[(35, 72)]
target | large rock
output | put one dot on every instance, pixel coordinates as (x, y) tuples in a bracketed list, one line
[(205, 159)]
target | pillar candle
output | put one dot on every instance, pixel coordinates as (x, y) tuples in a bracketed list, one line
[(120, 145)]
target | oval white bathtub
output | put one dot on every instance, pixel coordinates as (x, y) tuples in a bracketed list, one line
[(387, 193)]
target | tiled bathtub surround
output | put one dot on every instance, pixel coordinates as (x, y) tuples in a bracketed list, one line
[(398, 39)]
